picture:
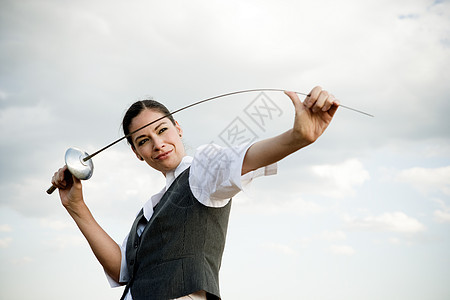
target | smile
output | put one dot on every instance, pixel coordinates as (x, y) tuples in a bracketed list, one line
[(163, 155)]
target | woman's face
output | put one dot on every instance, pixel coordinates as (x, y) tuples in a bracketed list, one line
[(159, 144)]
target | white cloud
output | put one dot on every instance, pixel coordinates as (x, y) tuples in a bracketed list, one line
[(3, 95), (333, 235), (55, 224), (427, 179), (342, 178), (280, 248), (33, 120), (342, 250), (394, 240), (390, 222), (18, 197), (325, 236), (5, 242), (256, 202), (5, 228), (66, 241), (23, 261), (442, 216), (85, 22)]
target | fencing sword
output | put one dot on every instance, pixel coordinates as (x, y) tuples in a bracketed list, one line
[(80, 164)]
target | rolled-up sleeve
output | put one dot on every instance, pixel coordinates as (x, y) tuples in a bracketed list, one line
[(215, 174), (124, 277)]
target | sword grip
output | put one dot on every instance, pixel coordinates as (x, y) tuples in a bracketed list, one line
[(51, 189)]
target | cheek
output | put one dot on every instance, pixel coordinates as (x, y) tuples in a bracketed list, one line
[(145, 150), (180, 145)]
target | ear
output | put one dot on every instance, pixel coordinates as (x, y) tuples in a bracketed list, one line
[(137, 154), (178, 127)]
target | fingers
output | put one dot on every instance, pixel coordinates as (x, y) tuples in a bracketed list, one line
[(294, 97), (321, 100), (60, 178), (316, 101), (333, 108)]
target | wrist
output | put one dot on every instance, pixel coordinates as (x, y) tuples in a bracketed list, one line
[(300, 140), (77, 209)]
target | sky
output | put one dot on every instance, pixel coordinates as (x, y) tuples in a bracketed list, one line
[(363, 213)]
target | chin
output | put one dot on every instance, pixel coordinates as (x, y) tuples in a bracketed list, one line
[(168, 167)]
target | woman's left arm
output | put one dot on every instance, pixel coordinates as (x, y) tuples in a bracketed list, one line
[(312, 117)]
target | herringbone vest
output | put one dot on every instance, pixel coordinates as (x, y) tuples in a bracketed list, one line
[(180, 249)]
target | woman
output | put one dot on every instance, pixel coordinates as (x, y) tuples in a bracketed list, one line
[(174, 248)]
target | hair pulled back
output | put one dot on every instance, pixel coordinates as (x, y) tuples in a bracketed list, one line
[(136, 108)]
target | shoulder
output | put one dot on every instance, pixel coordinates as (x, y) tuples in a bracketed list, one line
[(215, 173)]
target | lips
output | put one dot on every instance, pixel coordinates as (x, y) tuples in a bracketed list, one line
[(164, 155)]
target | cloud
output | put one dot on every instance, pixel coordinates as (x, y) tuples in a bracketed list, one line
[(27, 196), (263, 202), (325, 237), (55, 224), (427, 180), (442, 216), (24, 130), (66, 241), (23, 260), (394, 241), (88, 23), (5, 242), (342, 250), (408, 16), (33, 120), (387, 222), (280, 248), (332, 235), (3, 95), (5, 228), (342, 178)]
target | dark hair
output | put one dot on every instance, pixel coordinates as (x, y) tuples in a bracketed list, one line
[(136, 108)]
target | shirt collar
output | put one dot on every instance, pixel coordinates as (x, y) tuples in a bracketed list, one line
[(172, 175), (170, 178)]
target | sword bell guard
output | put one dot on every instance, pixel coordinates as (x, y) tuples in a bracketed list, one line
[(74, 161)]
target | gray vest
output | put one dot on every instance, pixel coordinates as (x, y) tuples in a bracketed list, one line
[(180, 249)]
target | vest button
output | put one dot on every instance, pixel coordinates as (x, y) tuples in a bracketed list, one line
[(132, 262), (136, 244)]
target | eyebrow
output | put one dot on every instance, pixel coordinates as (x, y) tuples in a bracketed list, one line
[(156, 128), (162, 123)]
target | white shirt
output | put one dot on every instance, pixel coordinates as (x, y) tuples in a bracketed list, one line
[(214, 178)]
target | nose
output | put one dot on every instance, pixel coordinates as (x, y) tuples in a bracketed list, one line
[(158, 144)]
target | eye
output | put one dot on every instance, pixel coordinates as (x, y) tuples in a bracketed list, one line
[(143, 141), (162, 130)]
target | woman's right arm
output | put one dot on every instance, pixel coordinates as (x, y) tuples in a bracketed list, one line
[(104, 247)]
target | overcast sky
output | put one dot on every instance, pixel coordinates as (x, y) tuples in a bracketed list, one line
[(364, 213)]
